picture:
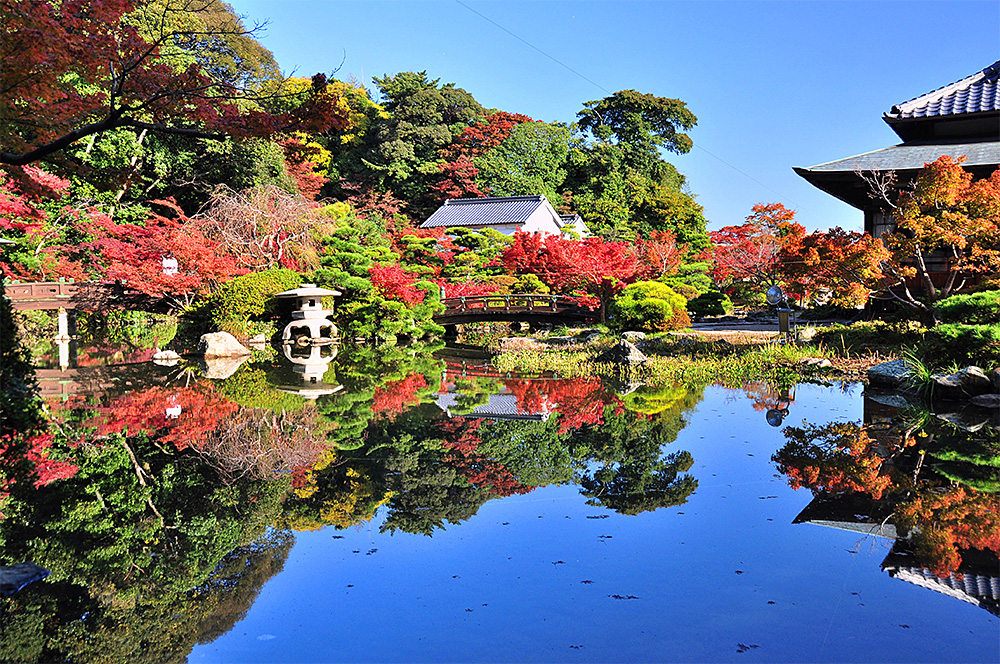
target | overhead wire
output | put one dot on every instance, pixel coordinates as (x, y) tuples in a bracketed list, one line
[(606, 91)]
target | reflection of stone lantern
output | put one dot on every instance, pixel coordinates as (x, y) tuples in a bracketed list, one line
[(311, 363), (310, 321)]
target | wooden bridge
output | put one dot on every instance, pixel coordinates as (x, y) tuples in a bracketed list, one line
[(72, 295), (514, 308)]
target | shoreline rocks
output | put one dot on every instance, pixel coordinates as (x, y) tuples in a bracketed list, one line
[(221, 344)]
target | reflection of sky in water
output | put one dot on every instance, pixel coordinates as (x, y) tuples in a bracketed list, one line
[(544, 577)]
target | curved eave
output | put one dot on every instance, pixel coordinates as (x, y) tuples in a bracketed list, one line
[(841, 178)]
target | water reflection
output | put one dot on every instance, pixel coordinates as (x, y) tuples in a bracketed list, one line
[(160, 499), (913, 477)]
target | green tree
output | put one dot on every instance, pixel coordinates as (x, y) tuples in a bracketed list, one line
[(620, 184), (424, 118), (530, 161), (642, 122)]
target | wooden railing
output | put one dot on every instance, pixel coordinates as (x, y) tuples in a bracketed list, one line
[(511, 306), (91, 295)]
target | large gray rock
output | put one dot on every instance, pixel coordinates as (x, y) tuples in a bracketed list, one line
[(221, 344), (806, 334), (634, 336), (622, 353), (995, 380), (889, 374), (964, 383)]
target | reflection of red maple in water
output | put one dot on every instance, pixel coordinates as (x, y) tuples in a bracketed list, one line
[(461, 440), (958, 518), (35, 449), (834, 459), (201, 410), (580, 401), (396, 396)]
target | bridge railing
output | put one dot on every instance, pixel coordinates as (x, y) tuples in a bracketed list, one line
[(512, 303)]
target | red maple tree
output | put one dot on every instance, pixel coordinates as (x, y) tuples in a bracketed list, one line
[(75, 68), (459, 170), (752, 250), (592, 265), (394, 283), (135, 254)]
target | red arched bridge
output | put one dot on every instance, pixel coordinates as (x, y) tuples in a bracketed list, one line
[(514, 308)]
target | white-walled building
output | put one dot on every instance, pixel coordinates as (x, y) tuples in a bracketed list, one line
[(507, 215)]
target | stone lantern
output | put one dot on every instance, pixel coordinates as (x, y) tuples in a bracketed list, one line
[(311, 323)]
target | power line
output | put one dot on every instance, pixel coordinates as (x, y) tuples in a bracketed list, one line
[(530, 45), (606, 91)]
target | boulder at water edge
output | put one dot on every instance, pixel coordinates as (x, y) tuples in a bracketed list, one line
[(889, 374), (622, 353), (964, 383), (221, 344)]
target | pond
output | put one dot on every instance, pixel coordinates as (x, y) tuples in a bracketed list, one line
[(417, 507)]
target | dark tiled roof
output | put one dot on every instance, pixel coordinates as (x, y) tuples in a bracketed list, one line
[(912, 156), (484, 211), (976, 589), (500, 407), (974, 94)]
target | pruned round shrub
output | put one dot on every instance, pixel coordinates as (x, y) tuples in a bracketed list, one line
[(530, 283), (249, 296), (712, 303), (981, 308), (651, 306)]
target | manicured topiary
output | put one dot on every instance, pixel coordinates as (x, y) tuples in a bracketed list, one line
[(712, 303), (249, 296), (971, 309), (651, 306)]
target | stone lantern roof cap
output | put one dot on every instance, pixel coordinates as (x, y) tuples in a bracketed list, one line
[(308, 290)]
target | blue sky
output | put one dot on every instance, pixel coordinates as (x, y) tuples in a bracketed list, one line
[(774, 84)]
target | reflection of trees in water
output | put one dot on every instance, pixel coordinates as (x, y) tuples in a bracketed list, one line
[(937, 483), (63, 622), (633, 473), (440, 470), (155, 537)]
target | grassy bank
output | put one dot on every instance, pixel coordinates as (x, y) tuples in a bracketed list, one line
[(673, 359)]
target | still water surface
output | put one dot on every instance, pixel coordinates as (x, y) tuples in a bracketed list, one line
[(465, 516)]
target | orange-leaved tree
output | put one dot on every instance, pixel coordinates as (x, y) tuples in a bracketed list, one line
[(947, 232), (752, 251)]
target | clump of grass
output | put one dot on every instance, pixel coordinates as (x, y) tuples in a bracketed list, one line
[(921, 376), (570, 364), (871, 336)]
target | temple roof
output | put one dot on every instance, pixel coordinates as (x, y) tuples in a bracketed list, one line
[(913, 156), (973, 94), (967, 109), (839, 178), (485, 211)]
